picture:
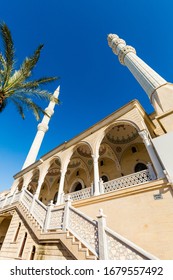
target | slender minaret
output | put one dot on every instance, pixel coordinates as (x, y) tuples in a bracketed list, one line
[(159, 91), (41, 130)]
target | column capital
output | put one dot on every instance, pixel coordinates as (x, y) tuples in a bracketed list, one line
[(95, 157), (145, 136), (63, 172)]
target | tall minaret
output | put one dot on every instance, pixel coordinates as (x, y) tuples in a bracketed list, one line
[(41, 130), (159, 91)]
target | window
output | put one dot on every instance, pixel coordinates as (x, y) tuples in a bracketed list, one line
[(23, 245), (140, 166), (33, 253), (134, 150), (55, 198), (17, 232), (104, 178), (78, 187)]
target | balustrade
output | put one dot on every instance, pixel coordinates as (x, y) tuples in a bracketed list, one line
[(2, 202), (84, 228), (27, 199), (39, 212), (127, 181), (78, 195), (17, 197), (56, 218)]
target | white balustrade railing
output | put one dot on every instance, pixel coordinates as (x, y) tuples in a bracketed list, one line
[(78, 195), (39, 212), (84, 228), (56, 218), (27, 199), (2, 202), (127, 181), (8, 200), (17, 196), (120, 248)]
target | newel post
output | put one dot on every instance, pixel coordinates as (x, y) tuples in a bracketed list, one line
[(101, 186), (66, 213), (48, 216), (103, 251)]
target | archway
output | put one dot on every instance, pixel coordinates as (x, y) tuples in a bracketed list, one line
[(50, 186), (4, 225), (79, 169)]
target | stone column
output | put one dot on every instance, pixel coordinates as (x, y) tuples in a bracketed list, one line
[(96, 174), (42, 176), (150, 149), (61, 186), (26, 181)]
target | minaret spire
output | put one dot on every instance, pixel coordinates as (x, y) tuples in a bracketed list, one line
[(159, 91), (41, 130)]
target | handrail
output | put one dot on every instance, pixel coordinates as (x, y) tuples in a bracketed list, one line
[(130, 180), (132, 246), (87, 232)]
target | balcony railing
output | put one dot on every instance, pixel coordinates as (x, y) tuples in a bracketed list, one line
[(78, 195), (134, 179)]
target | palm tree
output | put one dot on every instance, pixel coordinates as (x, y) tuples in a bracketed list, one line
[(16, 85)]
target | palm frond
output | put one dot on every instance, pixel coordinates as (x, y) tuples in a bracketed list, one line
[(27, 103), (19, 108), (3, 105), (28, 93), (25, 70), (2, 69), (37, 83), (9, 51), (17, 85)]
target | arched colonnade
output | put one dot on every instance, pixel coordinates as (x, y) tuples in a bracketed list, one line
[(114, 151)]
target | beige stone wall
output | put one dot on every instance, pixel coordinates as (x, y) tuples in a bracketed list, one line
[(140, 218), (129, 159), (53, 252), (11, 249), (109, 169)]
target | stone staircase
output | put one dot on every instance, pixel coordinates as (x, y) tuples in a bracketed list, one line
[(72, 244), (83, 237)]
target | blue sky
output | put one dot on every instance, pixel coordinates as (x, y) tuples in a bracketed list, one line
[(93, 82)]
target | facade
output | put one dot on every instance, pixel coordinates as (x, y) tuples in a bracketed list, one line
[(105, 194)]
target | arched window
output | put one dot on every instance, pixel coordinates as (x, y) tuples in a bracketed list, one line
[(33, 253), (140, 166), (22, 245), (55, 198), (104, 178), (78, 187), (134, 150), (17, 232)]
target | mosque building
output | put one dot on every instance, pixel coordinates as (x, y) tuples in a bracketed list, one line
[(106, 194)]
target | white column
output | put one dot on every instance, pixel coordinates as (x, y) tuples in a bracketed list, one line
[(155, 161), (41, 130), (26, 181), (42, 176), (96, 174), (61, 187), (103, 250)]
